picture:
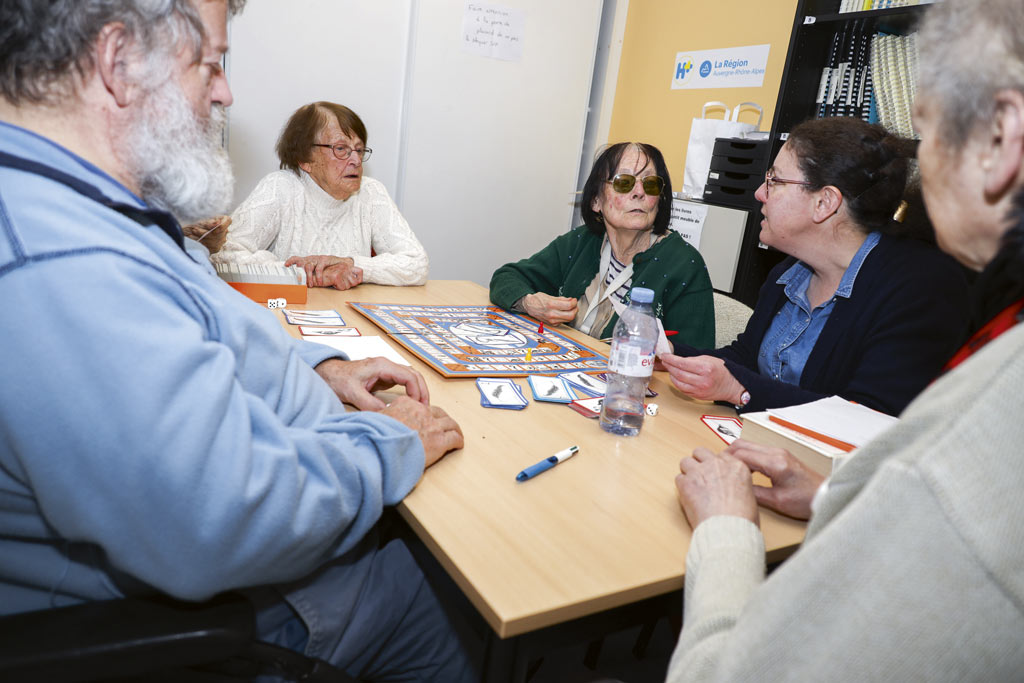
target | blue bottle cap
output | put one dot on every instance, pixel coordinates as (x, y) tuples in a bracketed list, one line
[(642, 295)]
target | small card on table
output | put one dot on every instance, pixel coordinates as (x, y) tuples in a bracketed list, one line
[(588, 407), (590, 385), (500, 392), (725, 428), (553, 389), (308, 331), (297, 317)]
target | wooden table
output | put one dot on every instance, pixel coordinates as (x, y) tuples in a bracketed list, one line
[(601, 530)]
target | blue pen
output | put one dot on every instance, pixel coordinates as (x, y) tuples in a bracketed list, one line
[(547, 463)]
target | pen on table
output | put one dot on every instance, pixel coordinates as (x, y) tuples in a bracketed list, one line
[(547, 463)]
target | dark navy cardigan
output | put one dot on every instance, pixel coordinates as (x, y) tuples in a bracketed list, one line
[(907, 314)]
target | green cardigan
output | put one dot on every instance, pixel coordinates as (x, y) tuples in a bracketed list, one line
[(672, 268)]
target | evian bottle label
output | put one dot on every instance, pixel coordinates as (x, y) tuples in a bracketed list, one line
[(631, 360)]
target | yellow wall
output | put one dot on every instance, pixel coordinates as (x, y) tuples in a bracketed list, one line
[(646, 109)]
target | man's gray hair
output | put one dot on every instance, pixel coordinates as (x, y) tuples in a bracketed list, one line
[(970, 50), (45, 44)]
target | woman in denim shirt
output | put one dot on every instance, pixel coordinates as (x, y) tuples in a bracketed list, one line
[(861, 308)]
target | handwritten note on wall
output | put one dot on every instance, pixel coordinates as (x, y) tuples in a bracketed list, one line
[(494, 31), (688, 220)]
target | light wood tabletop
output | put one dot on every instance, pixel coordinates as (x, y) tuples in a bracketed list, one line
[(600, 530)]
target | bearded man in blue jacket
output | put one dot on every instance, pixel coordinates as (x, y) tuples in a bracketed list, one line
[(160, 434)]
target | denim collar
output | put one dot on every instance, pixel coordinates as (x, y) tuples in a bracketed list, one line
[(797, 276)]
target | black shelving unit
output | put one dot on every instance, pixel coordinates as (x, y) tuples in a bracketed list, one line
[(814, 24)]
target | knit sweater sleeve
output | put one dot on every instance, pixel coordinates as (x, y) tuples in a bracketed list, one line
[(543, 272), (400, 258), (256, 222), (725, 564)]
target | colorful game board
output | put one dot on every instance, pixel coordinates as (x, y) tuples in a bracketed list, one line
[(480, 341)]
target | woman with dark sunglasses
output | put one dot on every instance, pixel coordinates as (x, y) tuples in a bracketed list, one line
[(584, 277), (859, 309)]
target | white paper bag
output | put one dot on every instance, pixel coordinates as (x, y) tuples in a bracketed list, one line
[(700, 148)]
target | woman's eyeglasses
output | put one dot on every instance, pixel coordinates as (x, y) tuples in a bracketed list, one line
[(771, 181), (624, 182), (342, 152)]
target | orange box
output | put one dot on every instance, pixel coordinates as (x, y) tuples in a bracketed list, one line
[(260, 292)]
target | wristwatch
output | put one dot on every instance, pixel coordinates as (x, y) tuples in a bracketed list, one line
[(744, 399)]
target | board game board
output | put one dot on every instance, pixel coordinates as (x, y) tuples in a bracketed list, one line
[(480, 341)]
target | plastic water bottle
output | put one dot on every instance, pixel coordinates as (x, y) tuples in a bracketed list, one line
[(630, 365)]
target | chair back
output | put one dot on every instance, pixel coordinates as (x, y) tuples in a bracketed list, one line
[(731, 318)]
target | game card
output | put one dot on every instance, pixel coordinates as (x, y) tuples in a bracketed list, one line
[(307, 331), (587, 384), (725, 428), (588, 407), (329, 317), (500, 393), (553, 389)]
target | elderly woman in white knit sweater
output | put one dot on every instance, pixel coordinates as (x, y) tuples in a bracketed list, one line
[(320, 213)]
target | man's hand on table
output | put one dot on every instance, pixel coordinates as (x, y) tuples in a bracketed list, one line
[(793, 483), (712, 485), (354, 381), (438, 432)]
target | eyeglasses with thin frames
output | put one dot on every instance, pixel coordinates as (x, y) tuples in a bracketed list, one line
[(624, 182), (771, 181), (342, 152)]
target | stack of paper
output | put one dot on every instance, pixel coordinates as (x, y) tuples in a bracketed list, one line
[(358, 348), (834, 420)]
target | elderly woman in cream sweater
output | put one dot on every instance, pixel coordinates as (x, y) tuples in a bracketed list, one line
[(319, 212)]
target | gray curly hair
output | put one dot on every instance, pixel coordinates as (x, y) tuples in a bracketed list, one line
[(44, 45), (970, 50)]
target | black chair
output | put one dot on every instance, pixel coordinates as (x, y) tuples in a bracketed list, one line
[(156, 639)]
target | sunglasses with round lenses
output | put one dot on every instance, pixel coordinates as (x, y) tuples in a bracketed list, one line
[(624, 182)]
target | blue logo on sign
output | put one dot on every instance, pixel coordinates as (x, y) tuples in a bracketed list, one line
[(683, 67), (705, 69)]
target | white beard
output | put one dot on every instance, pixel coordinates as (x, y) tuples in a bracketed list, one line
[(177, 156)]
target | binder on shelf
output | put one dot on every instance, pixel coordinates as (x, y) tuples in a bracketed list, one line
[(836, 71), (894, 77), (856, 99), (846, 68), (827, 75)]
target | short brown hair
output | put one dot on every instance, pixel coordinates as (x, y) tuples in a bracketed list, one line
[(295, 146)]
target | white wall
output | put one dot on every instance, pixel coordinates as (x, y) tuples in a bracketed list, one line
[(494, 146), (287, 54), (481, 155)]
